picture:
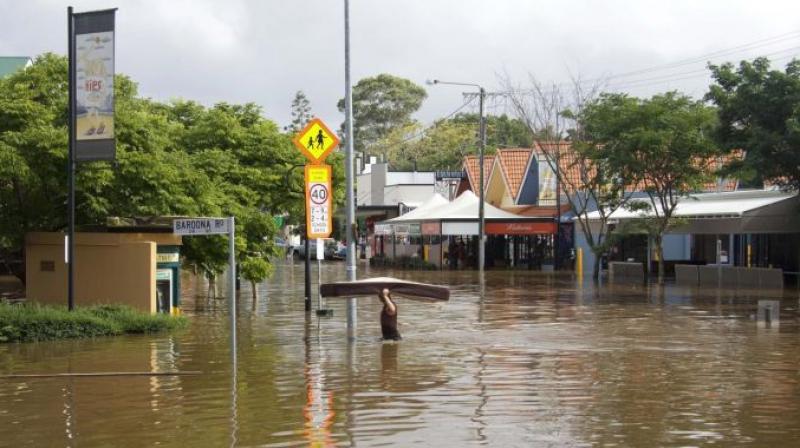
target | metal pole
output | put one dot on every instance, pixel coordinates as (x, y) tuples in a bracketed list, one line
[(71, 165), (319, 283), (232, 283), (481, 236), (348, 169), (557, 255), (307, 272)]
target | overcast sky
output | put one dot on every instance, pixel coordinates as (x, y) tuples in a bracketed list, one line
[(264, 51)]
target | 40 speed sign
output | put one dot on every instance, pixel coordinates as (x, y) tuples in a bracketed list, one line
[(319, 217)]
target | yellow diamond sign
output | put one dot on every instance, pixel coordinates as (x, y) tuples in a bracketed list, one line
[(316, 141)]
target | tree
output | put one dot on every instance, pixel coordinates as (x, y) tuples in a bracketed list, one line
[(380, 104), (502, 131), (585, 171), (177, 158), (759, 111), (444, 144), (301, 113), (660, 145)]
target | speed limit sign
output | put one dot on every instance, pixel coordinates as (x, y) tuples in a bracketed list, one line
[(319, 219)]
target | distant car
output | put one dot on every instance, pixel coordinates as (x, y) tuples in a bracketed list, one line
[(340, 254), (299, 250)]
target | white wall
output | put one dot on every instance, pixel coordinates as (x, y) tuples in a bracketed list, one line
[(407, 194)]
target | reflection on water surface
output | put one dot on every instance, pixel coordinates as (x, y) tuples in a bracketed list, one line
[(538, 361)]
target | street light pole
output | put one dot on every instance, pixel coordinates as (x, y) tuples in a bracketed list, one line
[(481, 216), (481, 151), (348, 170)]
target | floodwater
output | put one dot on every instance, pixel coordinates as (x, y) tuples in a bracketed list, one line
[(526, 360)]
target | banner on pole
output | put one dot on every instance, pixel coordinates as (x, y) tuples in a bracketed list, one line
[(319, 217), (93, 41)]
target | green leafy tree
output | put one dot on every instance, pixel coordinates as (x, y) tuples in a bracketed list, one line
[(381, 104), (585, 170), (661, 145), (301, 113), (177, 158), (759, 111)]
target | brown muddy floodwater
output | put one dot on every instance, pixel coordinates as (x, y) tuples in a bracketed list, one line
[(538, 361)]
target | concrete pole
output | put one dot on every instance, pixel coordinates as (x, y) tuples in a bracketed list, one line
[(232, 283), (348, 170), (481, 227), (71, 165)]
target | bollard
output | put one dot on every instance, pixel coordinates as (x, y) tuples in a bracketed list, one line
[(579, 263), (768, 314)]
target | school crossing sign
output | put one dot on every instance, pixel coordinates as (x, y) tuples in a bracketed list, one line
[(319, 216), (316, 141)]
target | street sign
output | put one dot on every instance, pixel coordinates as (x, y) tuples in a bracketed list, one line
[(319, 217), (200, 226), (316, 141)]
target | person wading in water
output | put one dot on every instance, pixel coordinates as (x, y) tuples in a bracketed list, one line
[(389, 317)]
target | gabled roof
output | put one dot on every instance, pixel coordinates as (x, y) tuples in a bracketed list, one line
[(472, 169), (435, 202), (10, 64), (571, 166), (514, 164), (465, 207)]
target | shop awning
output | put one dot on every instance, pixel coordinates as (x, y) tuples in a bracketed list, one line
[(755, 211)]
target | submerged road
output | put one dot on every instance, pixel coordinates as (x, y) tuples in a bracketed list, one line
[(528, 360)]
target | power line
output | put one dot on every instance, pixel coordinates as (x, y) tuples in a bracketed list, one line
[(705, 58)]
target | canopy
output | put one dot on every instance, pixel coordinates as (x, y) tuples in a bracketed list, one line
[(373, 287), (466, 207), (436, 201), (708, 205), (754, 211)]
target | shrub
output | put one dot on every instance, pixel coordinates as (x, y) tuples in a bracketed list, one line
[(32, 322)]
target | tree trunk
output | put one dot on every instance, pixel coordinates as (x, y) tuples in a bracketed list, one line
[(596, 268), (659, 242), (255, 293), (212, 286)]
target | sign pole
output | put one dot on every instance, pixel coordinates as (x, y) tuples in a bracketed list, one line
[(71, 164), (348, 169), (232, 282), (307, 261)]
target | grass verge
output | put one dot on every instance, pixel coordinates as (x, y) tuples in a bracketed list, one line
[(31, 322)]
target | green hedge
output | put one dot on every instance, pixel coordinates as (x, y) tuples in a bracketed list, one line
[(31, 322)]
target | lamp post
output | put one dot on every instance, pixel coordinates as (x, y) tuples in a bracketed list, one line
[(482, 147), (348, 170)]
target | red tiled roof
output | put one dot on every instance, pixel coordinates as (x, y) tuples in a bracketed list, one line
[(472, 169), (573, 169), (724, 184), (513, 162), (537, 211)]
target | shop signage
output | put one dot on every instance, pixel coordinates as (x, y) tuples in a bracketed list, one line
[(520, 228), (431, 228), (173, 257)]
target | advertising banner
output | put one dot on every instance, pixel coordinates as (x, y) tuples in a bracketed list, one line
[(93, 118)]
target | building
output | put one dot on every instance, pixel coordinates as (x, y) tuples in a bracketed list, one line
[(383, 194), (135, 267)]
